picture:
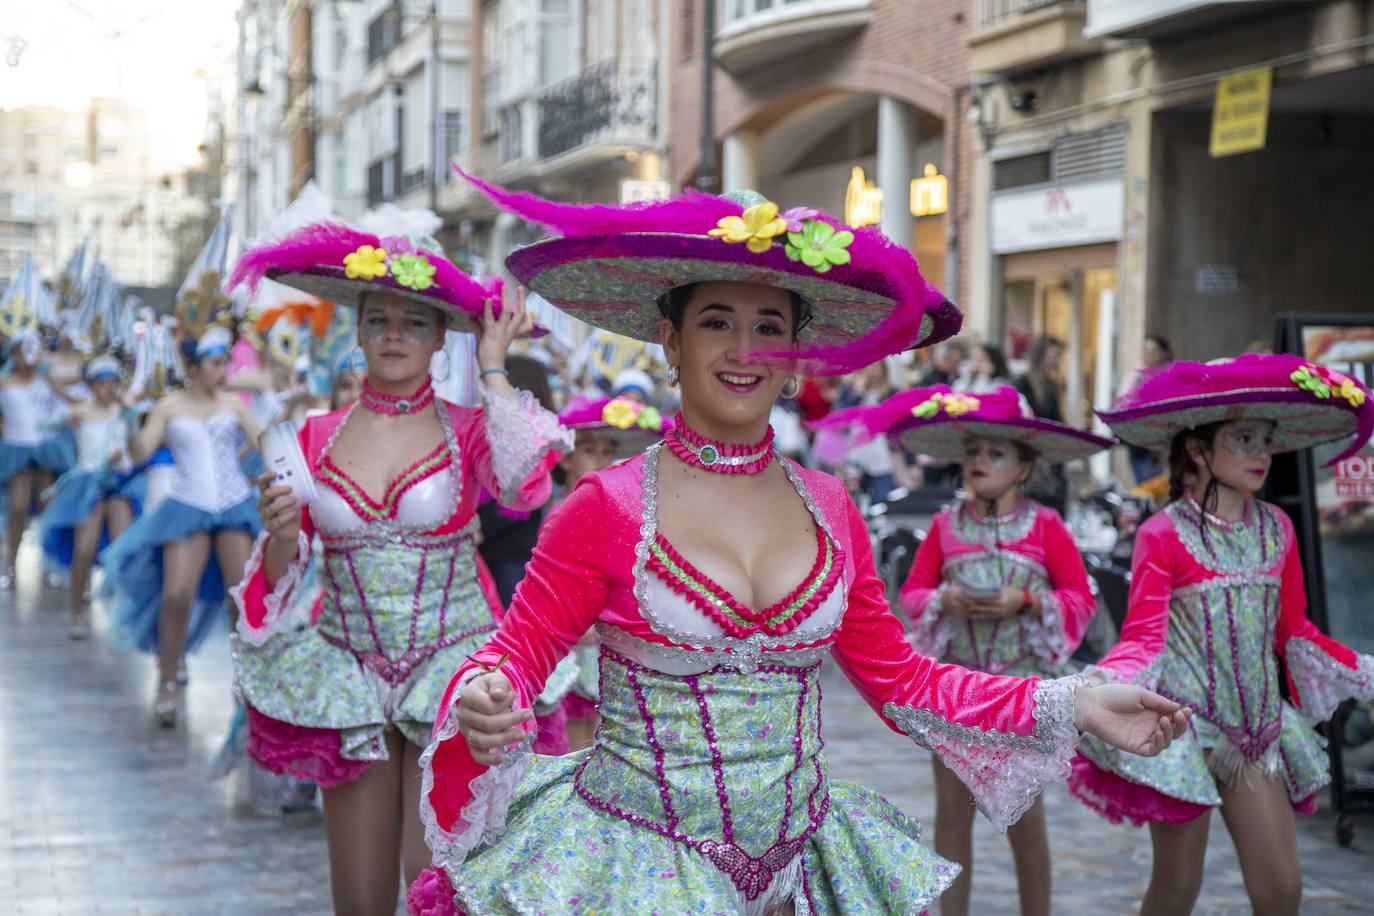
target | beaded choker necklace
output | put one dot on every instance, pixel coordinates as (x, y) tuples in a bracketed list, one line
[(698, 451), (394, 406)]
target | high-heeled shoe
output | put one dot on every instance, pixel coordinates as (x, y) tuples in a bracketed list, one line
[(183, 678), (165, 704)]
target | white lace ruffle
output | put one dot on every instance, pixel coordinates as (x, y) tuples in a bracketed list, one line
[(930, 632), (521, 433), (281, 609), (1147, 677), (1324, 683), (1045, 636), (483, 818), (1004, 772)]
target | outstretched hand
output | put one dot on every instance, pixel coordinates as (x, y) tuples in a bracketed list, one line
[(488, 719), (1129, 717)]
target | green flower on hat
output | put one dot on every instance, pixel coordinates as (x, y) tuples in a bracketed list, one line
[(650, 418), (413, 271), (819, 246), (1327, 383), (927, 408)]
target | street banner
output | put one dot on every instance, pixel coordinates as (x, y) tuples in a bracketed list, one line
[(1240, 114)]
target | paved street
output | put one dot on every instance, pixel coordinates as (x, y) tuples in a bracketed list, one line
[(101, 812)]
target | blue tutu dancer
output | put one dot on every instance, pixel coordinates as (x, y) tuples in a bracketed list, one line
[(31, 452), (166, 594), (93, 503)]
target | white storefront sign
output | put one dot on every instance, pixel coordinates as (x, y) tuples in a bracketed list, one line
[(1070, 214)]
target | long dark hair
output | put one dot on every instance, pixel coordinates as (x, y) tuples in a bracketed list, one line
[(1182, 466)]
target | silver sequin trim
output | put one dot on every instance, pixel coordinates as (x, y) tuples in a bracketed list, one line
[(1227, 582), (1015, 526), (676, 655)]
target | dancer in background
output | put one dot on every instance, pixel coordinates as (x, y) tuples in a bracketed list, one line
[(1217, 609), (997, 585), (167, 574), (350, 702), (32, 451), (719, 576), (93, 503)]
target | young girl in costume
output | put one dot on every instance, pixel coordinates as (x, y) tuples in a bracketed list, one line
[(93, 503), (349, 702), (167, 573), (997, 585), (1217, 609), (31, 451), (718, 576)]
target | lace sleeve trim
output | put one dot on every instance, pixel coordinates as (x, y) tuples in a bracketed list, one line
[(1004, 772), (281, 609), (1322, 683), (521, 434), (930, 632), (483, 818), (1046, 636)]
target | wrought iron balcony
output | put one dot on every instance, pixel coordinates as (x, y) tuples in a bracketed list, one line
[(1011, 36), (613, 102)]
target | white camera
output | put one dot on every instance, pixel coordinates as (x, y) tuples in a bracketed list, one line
[(282, 455)]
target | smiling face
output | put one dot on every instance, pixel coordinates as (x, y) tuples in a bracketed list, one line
[(992, 467), (398, 336), (1240, 456), (725, 395)]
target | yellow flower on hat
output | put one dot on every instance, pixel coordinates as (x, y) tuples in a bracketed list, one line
[(1351, 392), (756, 227), (620, 413), (367, 263), (956, 405)]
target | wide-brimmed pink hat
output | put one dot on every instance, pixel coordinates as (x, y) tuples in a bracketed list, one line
[(632, 426), (611, 265), (937, 421), (1309, 404), (341, 264)]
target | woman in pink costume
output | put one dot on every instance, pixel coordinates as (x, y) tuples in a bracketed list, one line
[(997, 585), (1217, 608), (349, 702), (718, 576)]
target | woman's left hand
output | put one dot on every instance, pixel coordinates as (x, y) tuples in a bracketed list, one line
[(1129, 717), (495, 336), (1010, 602)]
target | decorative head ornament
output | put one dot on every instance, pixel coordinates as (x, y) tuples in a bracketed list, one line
[(1308, 404), (631, 425), (937, 421), (612, 265), (103, 367)]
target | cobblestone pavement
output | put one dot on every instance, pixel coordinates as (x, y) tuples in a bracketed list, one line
[(102, 812)]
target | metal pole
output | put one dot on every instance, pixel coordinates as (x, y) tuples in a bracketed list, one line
[(708, 176), (435, 148)]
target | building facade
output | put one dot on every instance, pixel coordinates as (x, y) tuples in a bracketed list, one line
[(1104, 213), (855, 106)]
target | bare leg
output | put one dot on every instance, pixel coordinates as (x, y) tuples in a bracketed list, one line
[(362, 822), (183, 563), (85, 539), (1030, 847), (954, 836), (42, 479), (1176, 876), (1259, 817), (119, 515), (231, 550), (415, 855), (20, 495)]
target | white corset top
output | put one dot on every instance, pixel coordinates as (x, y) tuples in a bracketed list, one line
[(425, 504), (96, 440), (206, 453), (25, 408)]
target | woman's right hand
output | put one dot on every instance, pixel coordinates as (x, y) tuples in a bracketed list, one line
[(279, 510), (488, 719), (956, 602)]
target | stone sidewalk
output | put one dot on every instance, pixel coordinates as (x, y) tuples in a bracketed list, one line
[(102, 812)]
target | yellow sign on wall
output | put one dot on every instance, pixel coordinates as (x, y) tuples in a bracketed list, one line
[(863, 200), (1240, 115), (929, 193)]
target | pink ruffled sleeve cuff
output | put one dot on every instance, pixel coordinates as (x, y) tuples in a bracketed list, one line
[(1005, 772), (526, 442), (1048, 636), (1321, 683), (265, 612), (930, 629)]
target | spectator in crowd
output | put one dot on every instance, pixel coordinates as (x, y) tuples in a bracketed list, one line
[(1155, 354), (985, 372), (944, 366), (1040, 384)]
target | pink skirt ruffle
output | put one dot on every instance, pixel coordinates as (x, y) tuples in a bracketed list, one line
[(306, 753), (1118, 799), (578, 707), (431, 895), (552, 738)]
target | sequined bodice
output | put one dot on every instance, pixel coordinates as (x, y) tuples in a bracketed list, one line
[(24, 413), (98, 439), (730, 764), (1219, 656), (206, 455)]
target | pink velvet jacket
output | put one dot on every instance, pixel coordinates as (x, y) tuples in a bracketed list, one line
[(1028, 548), (1006, 737)]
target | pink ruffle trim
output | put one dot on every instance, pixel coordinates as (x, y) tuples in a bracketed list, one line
[(579, 707), (306, 753), (1118, 799), (552, 739), (431, 895)]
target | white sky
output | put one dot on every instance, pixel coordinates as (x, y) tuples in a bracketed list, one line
[(144, 52)]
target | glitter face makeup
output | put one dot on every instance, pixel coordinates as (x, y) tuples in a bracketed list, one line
[(1247, 438), (995, 455), (419, 323)]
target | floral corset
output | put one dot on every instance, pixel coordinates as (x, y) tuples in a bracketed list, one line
[(1219, 656)]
